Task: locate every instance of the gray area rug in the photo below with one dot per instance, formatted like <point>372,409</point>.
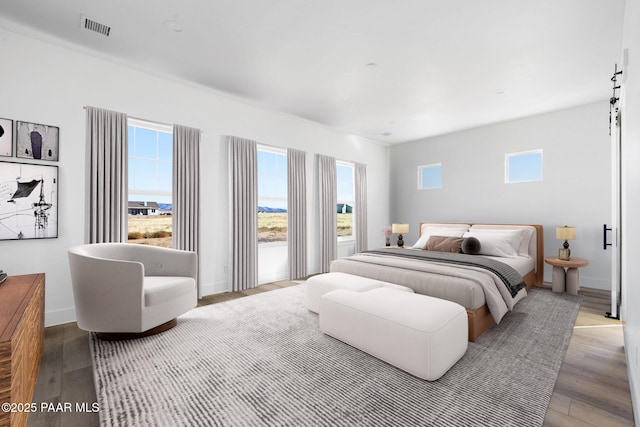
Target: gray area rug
<point>262,361</point>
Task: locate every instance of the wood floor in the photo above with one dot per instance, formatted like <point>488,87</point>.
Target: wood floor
<point>592,387</point>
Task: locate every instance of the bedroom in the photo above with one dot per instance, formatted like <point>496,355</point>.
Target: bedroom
<point>75,78</point>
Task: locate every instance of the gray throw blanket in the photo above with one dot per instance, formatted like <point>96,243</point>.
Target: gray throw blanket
<point>507,274</point>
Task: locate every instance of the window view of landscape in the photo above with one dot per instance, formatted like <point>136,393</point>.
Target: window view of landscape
<point>150,210</point>
<point>150,164</point>
<point>153,229</point>
<point>345,223</point>
<point>272,195</point>
<point>346,197</point>
<point>272,226</point>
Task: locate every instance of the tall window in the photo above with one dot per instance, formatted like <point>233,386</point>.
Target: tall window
<point>272,195</point>
<point>525,166</point>
<point>346,199</point>
<point>150,179</point>
<point>430,176</point>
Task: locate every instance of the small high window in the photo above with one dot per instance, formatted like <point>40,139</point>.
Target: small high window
<point>524,166</point>
<point>430,176</point>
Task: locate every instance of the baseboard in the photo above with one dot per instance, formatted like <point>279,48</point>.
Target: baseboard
<point>594,282</point>
<point>588,282</point>
<point>273,277</point>
<point>213,288</point>
<point>631,353</point>
<point>59,317</point>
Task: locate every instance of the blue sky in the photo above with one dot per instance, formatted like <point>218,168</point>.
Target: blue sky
<point>523,167</point>
<point>344,176</point>
<point>431,176</point>
<point>150,154</point>
<point>150,166</point>
<point>272,179</point>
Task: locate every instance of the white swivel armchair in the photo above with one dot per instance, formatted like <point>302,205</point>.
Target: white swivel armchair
<point>124,290</point>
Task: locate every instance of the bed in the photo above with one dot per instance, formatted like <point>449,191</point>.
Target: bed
<point>515,250</point>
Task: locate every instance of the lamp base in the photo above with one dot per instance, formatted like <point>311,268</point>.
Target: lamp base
<point>564,254</point>
<point>400,241</point>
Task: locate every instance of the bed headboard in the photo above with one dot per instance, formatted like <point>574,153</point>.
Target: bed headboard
<point>536,243</point>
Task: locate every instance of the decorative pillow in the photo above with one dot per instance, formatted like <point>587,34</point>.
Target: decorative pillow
<point>444,244</point>
<point>471,246</point>
<point>497,244</point>
<point>436,231</point>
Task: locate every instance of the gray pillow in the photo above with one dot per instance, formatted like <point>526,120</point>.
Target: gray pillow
<point>471,246</point>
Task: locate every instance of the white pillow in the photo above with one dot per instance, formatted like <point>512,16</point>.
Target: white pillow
<point>526,233</point>
<point>494,243</point>
<point>436,231</point>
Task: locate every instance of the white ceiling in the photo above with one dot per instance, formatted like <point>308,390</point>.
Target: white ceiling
<point>437,66</point>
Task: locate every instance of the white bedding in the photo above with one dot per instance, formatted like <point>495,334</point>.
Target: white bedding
<point>522,264</point>
<point>469,286</point>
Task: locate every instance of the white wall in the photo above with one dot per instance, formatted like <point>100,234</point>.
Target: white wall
<point>575,189</point>
<point>50,83</point>
<point>630,107</point>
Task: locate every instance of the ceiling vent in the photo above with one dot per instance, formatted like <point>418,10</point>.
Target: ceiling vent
<point>91,25</point>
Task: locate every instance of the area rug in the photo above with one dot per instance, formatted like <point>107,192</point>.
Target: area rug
<point>262,361</point>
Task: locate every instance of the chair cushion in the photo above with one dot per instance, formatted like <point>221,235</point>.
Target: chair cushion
<point>161,289</point>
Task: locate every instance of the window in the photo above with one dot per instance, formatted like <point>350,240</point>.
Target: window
<point>525,166</point>
<point>346,199</point>
<point>430,176</point>
<point>272,195</point>
<point>150,183</point>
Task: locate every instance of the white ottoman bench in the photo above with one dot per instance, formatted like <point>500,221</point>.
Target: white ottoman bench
<point>321,284</point>
<point>422,335</point>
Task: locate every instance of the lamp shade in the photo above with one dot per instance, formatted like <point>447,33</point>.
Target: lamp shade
<point>399,228</point>
<point>566,233</point>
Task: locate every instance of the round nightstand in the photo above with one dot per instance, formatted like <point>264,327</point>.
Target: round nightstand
<point>569,280</point>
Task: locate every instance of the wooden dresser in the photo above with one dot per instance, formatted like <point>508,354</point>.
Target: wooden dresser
<point>21,342</point>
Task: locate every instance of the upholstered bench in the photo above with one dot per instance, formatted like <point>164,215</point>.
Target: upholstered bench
<point>321,284</point>
<point>422,335</point>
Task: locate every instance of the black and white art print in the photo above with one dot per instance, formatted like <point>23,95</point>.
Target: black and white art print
<point>6,137</point>
<point>36,141</point>
<point>28,201</point>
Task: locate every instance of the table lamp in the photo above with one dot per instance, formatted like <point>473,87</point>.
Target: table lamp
<point>565,233</point>
<point>399,229</point>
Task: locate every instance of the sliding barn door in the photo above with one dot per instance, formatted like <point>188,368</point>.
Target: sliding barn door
<point>614,244</point>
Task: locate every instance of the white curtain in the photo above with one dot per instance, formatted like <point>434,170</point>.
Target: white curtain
<point>361,207</point>
<point>297,213</point>
<point>186,189</point>
<point>328,209</point>
<point>243,214</point>
<point>108,189</point>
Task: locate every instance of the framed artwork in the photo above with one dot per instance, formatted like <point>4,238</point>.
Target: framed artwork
<point>6,137</point>
<point>36,141</point>
<point>28,201</point>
